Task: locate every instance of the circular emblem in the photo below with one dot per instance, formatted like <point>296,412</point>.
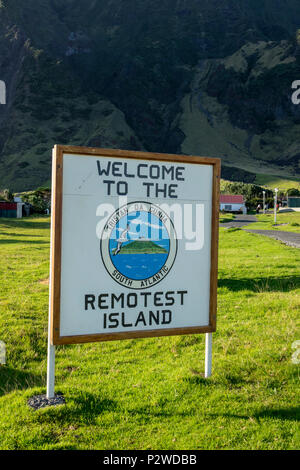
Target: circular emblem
<point>138,245</point>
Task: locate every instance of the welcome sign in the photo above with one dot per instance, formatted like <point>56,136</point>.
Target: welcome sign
<point>133,246</point>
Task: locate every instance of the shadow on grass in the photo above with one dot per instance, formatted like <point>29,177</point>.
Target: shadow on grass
<point>92,405</point>
<point>15,379</point>
<point>199,381</point>
<point>241,222</point>
<point>81,409</point>
<point>225,220</point>
<point>290,414</point>
<point>9,241</point>
<point>229,381</point>
<point>23,234</point>
<point>25,223</point>
<point>285,414</point>
<point>89,407</point>
<point>263,284</point>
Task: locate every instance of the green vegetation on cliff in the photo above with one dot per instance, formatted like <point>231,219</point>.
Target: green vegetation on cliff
<point>141,246</point>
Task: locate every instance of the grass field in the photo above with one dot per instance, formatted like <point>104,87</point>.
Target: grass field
<point>150,393</point>
<point>272,182</point>
<point>286,221</point>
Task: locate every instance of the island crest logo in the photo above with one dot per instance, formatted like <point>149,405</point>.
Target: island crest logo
<point>138,245</point>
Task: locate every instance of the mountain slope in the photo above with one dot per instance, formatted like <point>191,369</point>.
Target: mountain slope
<point>240,108</point>
<point>211,77</point>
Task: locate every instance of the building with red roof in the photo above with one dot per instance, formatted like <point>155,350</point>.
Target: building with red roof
<point>232,203</point>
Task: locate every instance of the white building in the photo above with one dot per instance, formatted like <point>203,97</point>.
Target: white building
<point>232,203</point>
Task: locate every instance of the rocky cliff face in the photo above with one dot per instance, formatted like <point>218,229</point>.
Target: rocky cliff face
<point>204,77</point>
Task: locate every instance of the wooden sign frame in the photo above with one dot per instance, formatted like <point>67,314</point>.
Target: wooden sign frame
<point>56,243</point>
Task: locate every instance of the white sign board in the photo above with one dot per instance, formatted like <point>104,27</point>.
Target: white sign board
<point>134,244</point>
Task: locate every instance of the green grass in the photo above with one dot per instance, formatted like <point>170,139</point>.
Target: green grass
<point>272,182</point>
<point>290,221</point>
<point>225,217</point>
<point>150,393</point>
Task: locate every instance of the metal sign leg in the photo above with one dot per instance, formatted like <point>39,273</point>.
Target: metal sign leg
<point>208,354</point>
<point>51,349</point>
<point>50,371</point>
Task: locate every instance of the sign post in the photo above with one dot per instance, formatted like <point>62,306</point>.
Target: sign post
<point>208,354</point>
<point>275,206</point>
<point>50,393</point>
<point>134,247</point>
<point>50,371</point>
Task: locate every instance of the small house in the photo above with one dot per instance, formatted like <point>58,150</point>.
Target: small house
<point>232,203</point>
<point>11,209</point>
